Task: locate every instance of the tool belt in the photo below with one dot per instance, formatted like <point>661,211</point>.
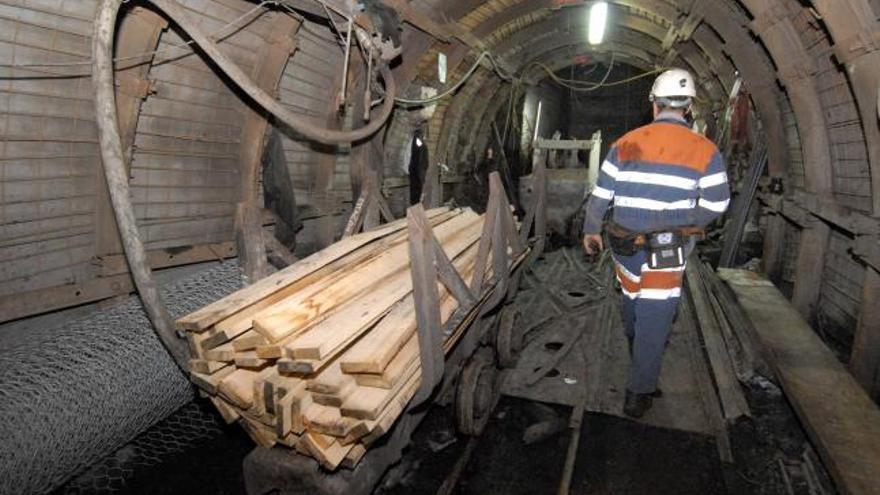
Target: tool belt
<point>665,247</point>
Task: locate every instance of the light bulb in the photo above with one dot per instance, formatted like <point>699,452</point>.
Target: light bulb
<point>598,19</point>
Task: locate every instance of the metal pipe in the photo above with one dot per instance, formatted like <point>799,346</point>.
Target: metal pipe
<point>117,181</point>
<point>268,102</point>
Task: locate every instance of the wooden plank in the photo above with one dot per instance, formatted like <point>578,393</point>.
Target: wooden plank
<point>354,456</point>
<point>211,383</point>
<point>326,450</point>
<point>393,411</point>
<point>259,386</point>
<point>230,414</point>
<point>206,367</point>
<point>248,341</point>
<point>315,281</point>
<point>212,313</point>
<point>370,402</point>
<point>375,350</point>
<point>328,420</point>
<point>732,399</point>
<point>840,418</point>
<point>116,264</point>
<point>28,303</point>
<point>395,372</point>
<point>238,388</point>
<point>338,330</point>
<point>223,352</point>
<point>259,433</point>
<point>249,359</point>
<point>296,313</point>
<point>705,388</point>
<point>331,380</point>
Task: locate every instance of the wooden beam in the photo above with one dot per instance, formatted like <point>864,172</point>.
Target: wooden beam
<point>249,242</point>
<point>138,33</point>
<point>116,264</point>
<point>841,420</point>
<point>271,61</point>
<point>865,359</point>
<point>810,267</point>
<point>23,304</point>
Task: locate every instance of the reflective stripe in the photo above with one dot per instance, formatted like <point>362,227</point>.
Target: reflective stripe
<point>713,180</point>
<point>610,169</point>
<point>631,295</point>
<point>650,204</point>
<point>659,294</point>
<point>626,273</point>
<point>716,206</point>
<point>658,180</point>
<point>602,193</point>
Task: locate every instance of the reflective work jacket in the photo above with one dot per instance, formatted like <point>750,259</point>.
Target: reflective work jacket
<point>659,176</point>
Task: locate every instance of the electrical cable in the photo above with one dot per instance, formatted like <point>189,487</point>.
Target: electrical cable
<point>284,115</point>
<point>218,34</point>
<point>451,89</point>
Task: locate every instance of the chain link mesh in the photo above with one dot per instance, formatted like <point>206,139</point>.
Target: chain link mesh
<point>187,427</point>
<point>71,394</point>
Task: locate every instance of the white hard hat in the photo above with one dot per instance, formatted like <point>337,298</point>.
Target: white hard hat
<point>676,86</point>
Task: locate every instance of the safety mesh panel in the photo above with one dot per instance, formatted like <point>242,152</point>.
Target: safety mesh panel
<point>70,395</point>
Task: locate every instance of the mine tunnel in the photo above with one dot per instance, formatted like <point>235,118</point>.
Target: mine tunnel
<point>439,247</point>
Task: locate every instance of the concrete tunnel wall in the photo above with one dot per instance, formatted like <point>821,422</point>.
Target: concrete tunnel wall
<point>812,69</point>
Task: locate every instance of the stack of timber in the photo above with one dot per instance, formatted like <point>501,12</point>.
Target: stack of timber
<point>323,356</point>
<point>729,342</point>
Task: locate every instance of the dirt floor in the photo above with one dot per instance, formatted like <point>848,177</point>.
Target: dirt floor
<point>193,453</point>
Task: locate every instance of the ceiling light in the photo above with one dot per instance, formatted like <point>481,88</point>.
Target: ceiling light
<point>598,18</point>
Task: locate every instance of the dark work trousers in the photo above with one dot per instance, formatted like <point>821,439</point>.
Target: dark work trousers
<point>648,304</point>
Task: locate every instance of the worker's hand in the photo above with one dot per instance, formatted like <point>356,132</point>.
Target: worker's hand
<point>593,244</point>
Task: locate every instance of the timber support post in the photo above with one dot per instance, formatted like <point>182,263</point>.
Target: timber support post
<point>271,61</point>
<point>865,358</point>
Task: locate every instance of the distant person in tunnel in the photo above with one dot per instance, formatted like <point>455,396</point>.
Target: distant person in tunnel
<point>663,184</point>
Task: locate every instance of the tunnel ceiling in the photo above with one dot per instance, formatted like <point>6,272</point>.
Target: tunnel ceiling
<point>646,34</point>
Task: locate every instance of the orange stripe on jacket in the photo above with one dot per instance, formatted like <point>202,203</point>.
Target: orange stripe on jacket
<point>661,280</point>
<point>627,284</point>
<point>666,144</point>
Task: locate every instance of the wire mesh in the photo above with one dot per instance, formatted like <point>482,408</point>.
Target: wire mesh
<point>70,395</point>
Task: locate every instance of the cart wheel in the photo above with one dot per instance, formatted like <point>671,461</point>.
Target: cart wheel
<point>477,392</point>
<point>508,342</point>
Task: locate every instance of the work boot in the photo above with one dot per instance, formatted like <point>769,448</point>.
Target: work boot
<point>636,405</point>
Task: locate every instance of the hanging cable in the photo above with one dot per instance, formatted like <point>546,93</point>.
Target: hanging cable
<point>451,89</point>
<point>295,121</point>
